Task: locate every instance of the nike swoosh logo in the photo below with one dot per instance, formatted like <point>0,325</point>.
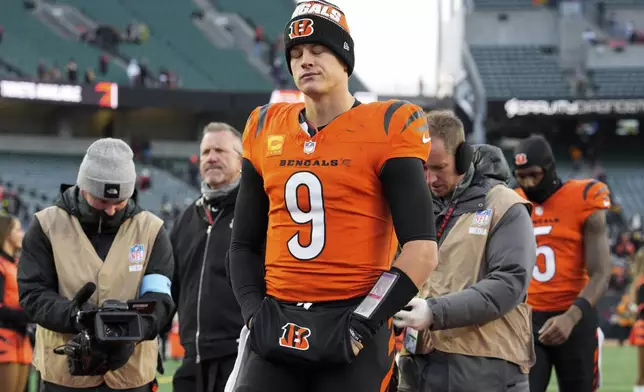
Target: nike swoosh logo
<point>426,139</point>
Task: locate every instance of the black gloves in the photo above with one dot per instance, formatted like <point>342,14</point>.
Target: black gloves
<point>150,327</point>
<point>84,317</point>
<point>118,354</point>
<point>87,357</point>
<point>84,356</point>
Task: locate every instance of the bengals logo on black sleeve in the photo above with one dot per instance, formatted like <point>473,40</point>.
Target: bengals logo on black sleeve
<point>295,337</point>
<point>301,28</point>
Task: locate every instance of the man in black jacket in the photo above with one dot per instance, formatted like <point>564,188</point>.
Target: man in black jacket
<point>209,315</point>
<point>96,233</point>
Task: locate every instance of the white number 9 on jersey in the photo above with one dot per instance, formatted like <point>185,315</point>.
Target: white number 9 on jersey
<point>548,253</point>
<point>314,216</point>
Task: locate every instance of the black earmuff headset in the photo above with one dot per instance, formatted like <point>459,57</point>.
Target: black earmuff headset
<point>463,157</point>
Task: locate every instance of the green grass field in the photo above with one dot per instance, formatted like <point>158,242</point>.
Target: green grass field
<point>618,371</point>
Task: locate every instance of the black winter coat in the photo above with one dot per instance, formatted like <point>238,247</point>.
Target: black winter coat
<point>209,316</point>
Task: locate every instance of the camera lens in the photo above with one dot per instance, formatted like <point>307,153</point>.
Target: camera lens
<point>114,330</point>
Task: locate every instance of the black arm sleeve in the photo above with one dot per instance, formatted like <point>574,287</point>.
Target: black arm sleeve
<point>404,186</point>
<point>246,252</point>
<point>161,263</point>
<point>38,283</point>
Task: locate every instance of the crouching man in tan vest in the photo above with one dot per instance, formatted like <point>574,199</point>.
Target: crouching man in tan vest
<point>470,330</point>
<point>96,233</point>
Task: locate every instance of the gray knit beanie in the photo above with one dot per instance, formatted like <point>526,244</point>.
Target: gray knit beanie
<point>107,171</point>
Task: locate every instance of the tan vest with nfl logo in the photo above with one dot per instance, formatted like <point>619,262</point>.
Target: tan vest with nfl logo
<point>460,258</point>
<point>118,277</point>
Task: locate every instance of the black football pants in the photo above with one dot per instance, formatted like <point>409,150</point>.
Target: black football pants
<point>370,371</point>
<point>576,361</point>
<point>207,376</point>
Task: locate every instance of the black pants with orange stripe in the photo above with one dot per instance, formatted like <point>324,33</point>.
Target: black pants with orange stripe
<point>575,361</point>
<point>370,371</point>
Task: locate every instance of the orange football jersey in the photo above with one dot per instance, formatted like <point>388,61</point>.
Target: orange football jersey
<point>330,232</point>
<point>560,273</point>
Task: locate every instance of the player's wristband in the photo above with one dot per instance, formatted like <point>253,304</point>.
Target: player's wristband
<point>583,305</point>
<point>393,290</point>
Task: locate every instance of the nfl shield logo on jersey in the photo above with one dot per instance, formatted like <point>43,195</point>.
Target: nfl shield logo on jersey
<point>309,147</point>
<point>137,256</point>
<point>482,218</point>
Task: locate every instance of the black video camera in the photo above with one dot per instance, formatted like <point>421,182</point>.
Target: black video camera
<point>114,324</point>
<point>119,322</point>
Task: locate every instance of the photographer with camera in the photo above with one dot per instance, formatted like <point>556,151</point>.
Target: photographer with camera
<point>89,264</point>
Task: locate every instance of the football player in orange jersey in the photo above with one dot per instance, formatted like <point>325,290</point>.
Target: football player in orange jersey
<point>572,270</point>
<point>329,188</point>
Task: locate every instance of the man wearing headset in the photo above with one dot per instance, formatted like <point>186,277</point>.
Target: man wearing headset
<point>471,321</point>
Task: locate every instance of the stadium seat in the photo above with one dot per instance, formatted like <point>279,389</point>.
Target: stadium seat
<point>520,71</point>
<point>45,173</point>
<point>623,4</point>
<point>154,50</point>
<point>270,15</point>
<point>626,180</point>
<point>515,5</point>
<point>27,40</point>
<point>503,5</point>
<point>619,82</point>
<point>169,20</point>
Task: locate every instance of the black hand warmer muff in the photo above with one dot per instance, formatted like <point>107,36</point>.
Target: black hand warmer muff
<point>289,333</point>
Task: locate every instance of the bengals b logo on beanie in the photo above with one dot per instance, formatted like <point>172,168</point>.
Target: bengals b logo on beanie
<point>320,22</point>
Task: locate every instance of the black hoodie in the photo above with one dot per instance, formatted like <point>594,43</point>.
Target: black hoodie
<point>209,316</point>
<point>38,279</point>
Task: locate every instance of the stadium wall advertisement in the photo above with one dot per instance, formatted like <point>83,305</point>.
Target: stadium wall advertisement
<point>108,109</point>
<point>103,94</point>
<point>612,124</point>
<point>516,108</point>
<point>113,96</point>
